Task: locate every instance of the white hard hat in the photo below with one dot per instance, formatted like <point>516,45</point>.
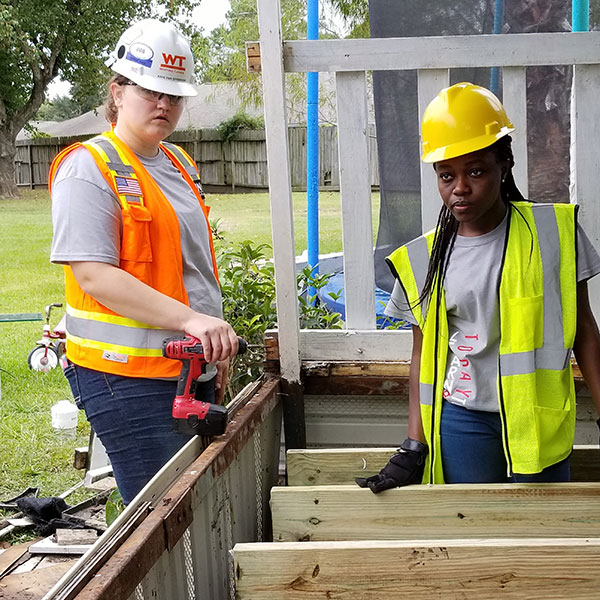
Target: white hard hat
<point>156,56</point>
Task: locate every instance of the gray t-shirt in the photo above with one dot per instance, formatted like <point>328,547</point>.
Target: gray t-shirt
<point>473,314</point>
<point>87,221</point>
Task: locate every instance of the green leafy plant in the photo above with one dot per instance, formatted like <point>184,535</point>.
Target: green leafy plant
<point>229,128</point>
<point>390,322</point>
<point>114,506</point>
<point>314,314</point>
<point>248,287</point>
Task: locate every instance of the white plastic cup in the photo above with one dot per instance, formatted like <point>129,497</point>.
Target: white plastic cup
<point>64,417</point>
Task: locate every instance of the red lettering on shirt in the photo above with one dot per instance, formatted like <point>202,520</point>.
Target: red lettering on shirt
<point>465,348</point>
<point>465,393</point>
<point>472,337</point>
<point>464,362</point>
<point>465,376</point>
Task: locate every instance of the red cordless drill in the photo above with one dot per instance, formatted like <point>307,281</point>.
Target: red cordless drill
<point>194,416</point>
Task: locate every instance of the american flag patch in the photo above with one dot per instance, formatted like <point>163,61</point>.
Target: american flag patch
<point>128,185</point>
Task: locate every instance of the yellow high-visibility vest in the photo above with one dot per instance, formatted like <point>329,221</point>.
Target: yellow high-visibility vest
<point>97,337</point>
<point>538,318</point>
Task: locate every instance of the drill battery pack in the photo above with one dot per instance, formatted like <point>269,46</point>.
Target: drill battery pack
<point>214,422</point>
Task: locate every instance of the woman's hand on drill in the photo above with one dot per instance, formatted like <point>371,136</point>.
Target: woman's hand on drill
<point>217,337</point>
<point>122,292</point>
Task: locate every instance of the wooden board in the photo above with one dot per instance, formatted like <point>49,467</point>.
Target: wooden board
<point>355,188</point>
<point>340,466</point>
<point>352,345</point>
<point>12,555</point>
<point>331,513</point>
<point>514,98</point>
<point>443,52</point>
<point>430,82</point>
<point>532,569</point>
<point>33,585</point>
<point>253,64</point>
<point>280,190</point>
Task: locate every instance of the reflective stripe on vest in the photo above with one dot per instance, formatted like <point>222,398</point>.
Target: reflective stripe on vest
<point>100,330</point>
<point>187,163</point>
<point>180,157</point>
<point>120,169</point>
<point>537,298</point>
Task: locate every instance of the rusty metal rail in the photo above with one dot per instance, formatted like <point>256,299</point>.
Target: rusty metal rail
<point>177,544</point>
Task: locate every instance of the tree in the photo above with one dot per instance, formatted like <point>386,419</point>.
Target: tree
<point>222,55</point>
<point>356,15</point>
<point>40,40</point>
<point>67,107</point>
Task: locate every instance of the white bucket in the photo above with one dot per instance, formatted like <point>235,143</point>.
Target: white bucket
<point>64,415</point>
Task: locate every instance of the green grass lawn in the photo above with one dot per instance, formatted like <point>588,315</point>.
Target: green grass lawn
<point>247,216</point>
<point>31,453</point>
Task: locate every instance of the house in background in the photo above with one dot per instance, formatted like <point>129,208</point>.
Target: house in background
<point>215,103</point>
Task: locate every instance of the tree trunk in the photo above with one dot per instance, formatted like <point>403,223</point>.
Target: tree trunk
<point>8,186</point>
<point>548,102</point>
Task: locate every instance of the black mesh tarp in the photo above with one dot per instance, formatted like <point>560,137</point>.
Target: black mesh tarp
<point>396,114</point>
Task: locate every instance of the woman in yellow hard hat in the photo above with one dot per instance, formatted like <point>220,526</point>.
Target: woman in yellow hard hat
<point>131,228</point>
<point>498,299</point>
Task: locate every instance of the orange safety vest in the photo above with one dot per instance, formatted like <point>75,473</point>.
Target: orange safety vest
<point>97,337</point>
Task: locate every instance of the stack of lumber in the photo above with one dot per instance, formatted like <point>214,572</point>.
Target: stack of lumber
<point>333,539</point>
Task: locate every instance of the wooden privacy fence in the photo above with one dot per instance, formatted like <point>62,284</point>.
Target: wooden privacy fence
<point>240,164</point>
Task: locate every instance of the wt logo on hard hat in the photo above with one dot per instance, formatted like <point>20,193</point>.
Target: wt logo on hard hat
<point>173,61</point>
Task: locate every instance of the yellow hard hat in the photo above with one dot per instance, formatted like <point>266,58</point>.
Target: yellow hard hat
<point>461,119</point>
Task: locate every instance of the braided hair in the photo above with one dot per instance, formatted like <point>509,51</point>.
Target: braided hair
<point>447,225</point>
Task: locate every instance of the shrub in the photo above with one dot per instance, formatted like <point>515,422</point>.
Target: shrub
<point>241,120</point>
<point>248,287</point>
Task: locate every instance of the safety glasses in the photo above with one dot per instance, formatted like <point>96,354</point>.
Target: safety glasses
<point>153,96</point>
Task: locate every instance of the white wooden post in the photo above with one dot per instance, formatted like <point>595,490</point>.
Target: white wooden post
<point>357,227</point>
<point>430,82</point>
<point>515,103</point>
<point>280,190</point>
<point>586,157</point>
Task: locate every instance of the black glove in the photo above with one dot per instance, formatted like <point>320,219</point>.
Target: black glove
<point>403,468</point>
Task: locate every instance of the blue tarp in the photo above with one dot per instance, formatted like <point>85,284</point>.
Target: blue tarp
<point>335,286</point>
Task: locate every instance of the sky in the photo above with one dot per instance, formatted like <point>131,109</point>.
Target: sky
<point>210,14</point>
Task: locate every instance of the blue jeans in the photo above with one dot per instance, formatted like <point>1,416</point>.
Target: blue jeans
<point>472,450</point>
<point>133,419</point>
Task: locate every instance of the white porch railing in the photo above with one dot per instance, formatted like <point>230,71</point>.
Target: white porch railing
<point>432,57</point>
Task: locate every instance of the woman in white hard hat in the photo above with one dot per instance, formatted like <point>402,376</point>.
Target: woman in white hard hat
<point>497,296</point>
<point>131,228</point>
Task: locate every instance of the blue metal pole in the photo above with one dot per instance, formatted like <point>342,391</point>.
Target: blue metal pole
<point>498,26</point>
<point>312,148</point>
<point>581,15</point>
